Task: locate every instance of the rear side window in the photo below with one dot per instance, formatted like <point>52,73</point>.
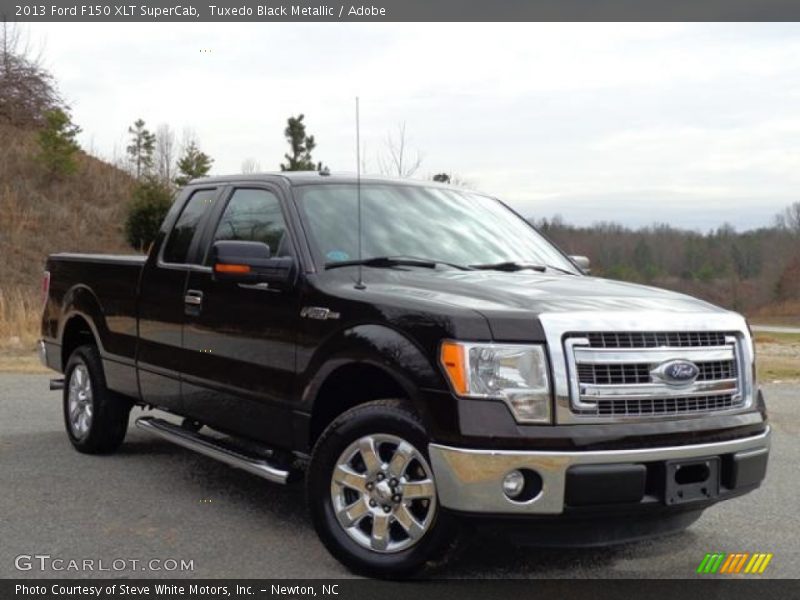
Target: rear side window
<point>255,216</point>
<point>177,248</point>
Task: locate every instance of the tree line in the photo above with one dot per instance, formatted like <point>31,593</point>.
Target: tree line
<point>743,270</point>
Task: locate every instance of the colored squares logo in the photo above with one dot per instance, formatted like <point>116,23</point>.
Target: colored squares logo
<point>733,563</point>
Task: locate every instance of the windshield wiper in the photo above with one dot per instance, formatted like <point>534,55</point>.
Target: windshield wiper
<point>387,262</point>
<point>513,266</point>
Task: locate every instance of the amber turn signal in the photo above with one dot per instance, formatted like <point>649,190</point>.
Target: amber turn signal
<point>222,268</point>
<point>452,358</point>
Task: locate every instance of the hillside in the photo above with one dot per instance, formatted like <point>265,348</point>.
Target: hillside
<point>83,212</point>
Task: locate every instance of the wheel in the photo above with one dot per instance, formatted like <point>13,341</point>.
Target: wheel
<point>372,492</point>
<point>96,419</point>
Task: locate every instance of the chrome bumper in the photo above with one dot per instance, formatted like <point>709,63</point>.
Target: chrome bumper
<point>471,480</point>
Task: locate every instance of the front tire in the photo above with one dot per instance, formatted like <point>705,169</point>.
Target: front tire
<point>96,419</point>
<point>372,492</point>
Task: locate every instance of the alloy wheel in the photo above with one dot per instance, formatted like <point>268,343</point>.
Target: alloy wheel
<point>383,493</point>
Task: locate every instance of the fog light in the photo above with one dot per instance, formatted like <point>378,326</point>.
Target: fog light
<point>513,484</point>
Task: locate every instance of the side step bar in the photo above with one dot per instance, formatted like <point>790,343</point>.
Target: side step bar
<point>212,448</point>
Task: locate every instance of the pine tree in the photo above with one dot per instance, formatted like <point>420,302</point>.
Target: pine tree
<point>141,149</point>
<point>301,147</point>
<point>151,201</point>
<point>57,145</point>
<point>193,164</point>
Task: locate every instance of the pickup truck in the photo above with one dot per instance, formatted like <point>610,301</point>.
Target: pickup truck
<point>422,354</point>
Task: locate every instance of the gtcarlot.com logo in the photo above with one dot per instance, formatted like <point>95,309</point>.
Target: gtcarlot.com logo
<point>733,563</point>
<point>46,562</point>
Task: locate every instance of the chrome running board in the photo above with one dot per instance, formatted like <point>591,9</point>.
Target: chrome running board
<point>212,448</point>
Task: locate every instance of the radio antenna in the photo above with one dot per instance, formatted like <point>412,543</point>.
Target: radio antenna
<point>360,282</point>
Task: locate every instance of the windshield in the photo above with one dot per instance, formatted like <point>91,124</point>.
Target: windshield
<point>438,224</point>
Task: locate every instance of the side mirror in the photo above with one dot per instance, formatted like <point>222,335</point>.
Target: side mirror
<point>250,263</point>
<point>583,263</point>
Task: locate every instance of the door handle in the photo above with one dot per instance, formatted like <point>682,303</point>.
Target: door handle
<point>193,297</point>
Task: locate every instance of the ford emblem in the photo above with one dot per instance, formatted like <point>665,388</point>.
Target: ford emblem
<point>676,372</point>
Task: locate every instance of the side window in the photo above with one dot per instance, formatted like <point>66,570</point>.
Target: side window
<point>255,216</point>
<point>185,228</point>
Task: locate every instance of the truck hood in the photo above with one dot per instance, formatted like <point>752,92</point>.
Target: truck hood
<point>537,293</point>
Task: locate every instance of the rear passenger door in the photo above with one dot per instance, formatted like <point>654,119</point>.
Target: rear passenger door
<point>239,342</point>
<point>160,355</point>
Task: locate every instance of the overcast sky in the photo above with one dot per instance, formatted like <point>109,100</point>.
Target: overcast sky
<point>693,125</point>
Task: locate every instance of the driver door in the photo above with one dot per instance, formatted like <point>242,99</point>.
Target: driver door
<point>240,339</point>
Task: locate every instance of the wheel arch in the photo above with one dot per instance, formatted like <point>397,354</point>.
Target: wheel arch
<point>82,322</point>
<point>371,362</point>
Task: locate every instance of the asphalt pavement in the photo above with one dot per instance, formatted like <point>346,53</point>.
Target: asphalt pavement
<point>153,500</point>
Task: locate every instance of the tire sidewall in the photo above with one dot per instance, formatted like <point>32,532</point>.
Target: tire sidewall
<point>95,440</point>
<point>354,424</point>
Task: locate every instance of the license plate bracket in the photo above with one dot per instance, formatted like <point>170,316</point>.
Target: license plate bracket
<point>691,480</point>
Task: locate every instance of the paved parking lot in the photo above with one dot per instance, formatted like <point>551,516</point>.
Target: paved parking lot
<point>153,500</point>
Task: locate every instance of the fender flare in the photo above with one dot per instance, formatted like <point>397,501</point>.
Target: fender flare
<point>378,346</point>
<point>80,301</point>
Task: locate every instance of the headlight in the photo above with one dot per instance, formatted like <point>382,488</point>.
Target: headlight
<point>514,373</point>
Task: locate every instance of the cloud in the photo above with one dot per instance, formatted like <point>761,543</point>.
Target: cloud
<point>690,123</point>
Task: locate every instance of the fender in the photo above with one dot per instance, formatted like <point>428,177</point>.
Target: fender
<point>378,346</point>
<point>81,301</point>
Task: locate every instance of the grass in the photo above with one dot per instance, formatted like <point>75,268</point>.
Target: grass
<point>21,363</point>
<point>20,314</point>
<point>786,314</point>
<point>777,337</point>
<point>786,321</point>
<point>774,369</point>
<point>778,356</point>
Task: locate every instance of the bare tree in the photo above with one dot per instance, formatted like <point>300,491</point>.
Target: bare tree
<point>165,153</point>
<point>188,138</point>
<point>398,159</point>
<point>250,165</point>
<point>789,218</point>
<point>27,90</point>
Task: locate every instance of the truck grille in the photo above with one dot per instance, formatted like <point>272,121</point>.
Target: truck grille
<point>620,374</point>
<point>664,406</point>
<point>640,372</point>
<point>654,339</point>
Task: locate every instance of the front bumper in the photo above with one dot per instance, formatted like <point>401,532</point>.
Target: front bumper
<point>471,481</point>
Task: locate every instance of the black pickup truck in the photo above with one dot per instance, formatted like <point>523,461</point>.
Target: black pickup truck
<point>440,366</point>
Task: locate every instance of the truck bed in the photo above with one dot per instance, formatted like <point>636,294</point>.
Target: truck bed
<point>103,288</point>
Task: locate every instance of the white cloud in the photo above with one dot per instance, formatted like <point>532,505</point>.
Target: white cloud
<point>691,123</point>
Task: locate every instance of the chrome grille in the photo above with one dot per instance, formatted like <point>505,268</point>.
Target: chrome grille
<point>654,339</point>
<point>665,406</point>
<point>616,374</point>
<point>640,372</point>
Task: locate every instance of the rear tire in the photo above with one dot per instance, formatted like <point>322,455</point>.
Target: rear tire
<point>372,493</point>
<point>96,419</point>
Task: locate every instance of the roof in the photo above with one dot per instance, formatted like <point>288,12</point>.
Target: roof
<point>315,177</point>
